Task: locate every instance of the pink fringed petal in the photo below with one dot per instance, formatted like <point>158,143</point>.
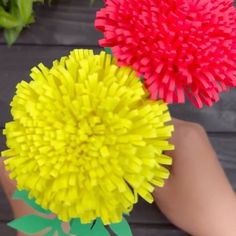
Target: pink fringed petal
<point>179,47</point>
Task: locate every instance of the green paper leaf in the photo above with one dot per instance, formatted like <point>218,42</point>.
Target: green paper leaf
<point>30,224</point>
<point>50,233</point>
<point>99,229</point>
<point>7,20</point>
<point>60,233</point>
<point>122,228</point>
<point>23,195</point>
<point>77,228</point>
<point>53,233</point>
<point>25,9</point>
<point>108,51</point>
<point>56,227</point>
<point>96,228</point>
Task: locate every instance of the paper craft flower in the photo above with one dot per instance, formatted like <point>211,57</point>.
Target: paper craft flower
<point>85,140</point>
<point>179,47</point>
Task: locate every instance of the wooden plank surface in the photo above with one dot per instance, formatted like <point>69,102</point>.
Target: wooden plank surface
<point>18,60</point>
<point>15,66</point>
<point>221,117</point>
<point>5,210</point>
<point>156,230</point>
<point>66,22</point>
<point>66,25</point>
<point>5,230</point>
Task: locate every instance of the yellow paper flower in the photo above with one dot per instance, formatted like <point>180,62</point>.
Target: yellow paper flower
<point>85,140</point>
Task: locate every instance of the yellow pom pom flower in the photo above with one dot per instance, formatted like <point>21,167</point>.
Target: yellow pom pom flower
<point>85,140</point>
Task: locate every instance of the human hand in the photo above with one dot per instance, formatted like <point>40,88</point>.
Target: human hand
<point>197,197</point>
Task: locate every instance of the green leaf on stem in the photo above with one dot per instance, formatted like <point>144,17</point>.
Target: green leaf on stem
<point>23,195</point>
<point>7,20</point>
<point>122,228</point>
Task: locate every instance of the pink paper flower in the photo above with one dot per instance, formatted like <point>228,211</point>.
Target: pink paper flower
<point>179,46</point>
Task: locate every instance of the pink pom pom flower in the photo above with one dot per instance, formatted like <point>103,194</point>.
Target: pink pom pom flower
<point>179,46</point>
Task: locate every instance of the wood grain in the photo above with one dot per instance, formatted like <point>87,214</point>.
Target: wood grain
<point>66,25</point>
<point>18,60</point>
<point>15,66</point>
<point>66,22</point>
<point>221,117</point>
<point>5,210</point>
<point>156,230</point>
<point>5,230</point>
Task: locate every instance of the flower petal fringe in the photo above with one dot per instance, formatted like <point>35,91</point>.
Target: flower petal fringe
<point>180,47</point>
<point>85,140</point>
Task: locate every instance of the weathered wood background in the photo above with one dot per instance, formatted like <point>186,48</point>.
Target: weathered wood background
<point>66,25</point>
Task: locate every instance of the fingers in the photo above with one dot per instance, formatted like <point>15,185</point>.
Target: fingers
<point>197,190</point>
<point>8,185</point>
<point>19,207</point>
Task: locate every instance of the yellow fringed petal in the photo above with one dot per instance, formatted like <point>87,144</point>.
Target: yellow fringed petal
<point>85,139</point>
